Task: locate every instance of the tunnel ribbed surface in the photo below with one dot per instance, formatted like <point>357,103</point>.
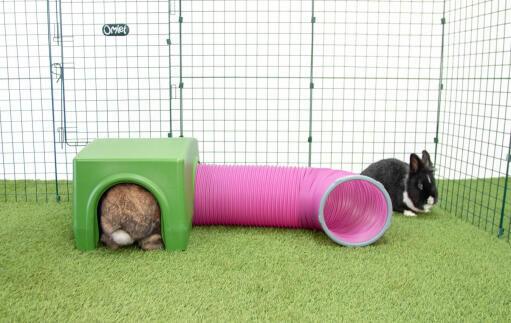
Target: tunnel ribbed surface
<point>350,209</point>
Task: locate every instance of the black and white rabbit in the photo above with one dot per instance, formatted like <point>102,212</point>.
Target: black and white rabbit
<point>411,187</point>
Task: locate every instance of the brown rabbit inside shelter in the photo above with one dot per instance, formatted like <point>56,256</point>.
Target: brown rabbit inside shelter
<point>129,213</point>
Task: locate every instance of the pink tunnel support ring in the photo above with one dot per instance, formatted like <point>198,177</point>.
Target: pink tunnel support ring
<point>353,210</point>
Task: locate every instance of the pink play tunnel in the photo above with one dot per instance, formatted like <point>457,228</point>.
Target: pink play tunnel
<point>353,210</point>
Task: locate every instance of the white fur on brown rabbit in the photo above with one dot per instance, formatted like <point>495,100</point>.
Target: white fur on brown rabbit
<point>129,213</point>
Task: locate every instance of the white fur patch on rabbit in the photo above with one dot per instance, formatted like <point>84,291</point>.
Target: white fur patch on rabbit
<point>409,213</point>
<point>409,203</point>
<point>122,238</point>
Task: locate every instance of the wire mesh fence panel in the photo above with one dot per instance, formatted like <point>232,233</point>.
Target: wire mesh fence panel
<point>115,69</point>
<point>26,135</point>
<point>356,79</point>
<point>475,121</point>
<point>114,76</point>
<point>375,80</point>
<point>311,83</point>
<point>246,68</point>
<point>70,76</point>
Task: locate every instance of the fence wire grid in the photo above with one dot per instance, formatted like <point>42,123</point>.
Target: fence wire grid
<point>336,84</point>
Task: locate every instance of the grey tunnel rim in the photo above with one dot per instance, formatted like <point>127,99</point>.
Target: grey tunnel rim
<point>340,181</point>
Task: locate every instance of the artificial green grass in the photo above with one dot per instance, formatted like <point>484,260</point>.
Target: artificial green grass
<point>479,202</point>
<point>429,268</point>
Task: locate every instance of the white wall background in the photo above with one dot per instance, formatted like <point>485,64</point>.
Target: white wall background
<point>246,75</point>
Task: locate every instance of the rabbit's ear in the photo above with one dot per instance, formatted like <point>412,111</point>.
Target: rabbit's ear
<point>415,163</point>
<point>426,159</point>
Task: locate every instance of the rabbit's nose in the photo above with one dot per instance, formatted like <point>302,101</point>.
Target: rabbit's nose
<point>431,200</point>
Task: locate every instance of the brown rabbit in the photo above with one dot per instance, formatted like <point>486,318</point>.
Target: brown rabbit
<point>129,213</point>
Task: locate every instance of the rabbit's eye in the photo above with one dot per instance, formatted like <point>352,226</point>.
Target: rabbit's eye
<point>420,186</point>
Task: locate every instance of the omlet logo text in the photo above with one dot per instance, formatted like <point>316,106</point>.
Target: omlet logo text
<point>115,30</point>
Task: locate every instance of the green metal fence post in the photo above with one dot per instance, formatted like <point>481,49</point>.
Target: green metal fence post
<point>169,42</point>
<point>180,73</point>
<point>501,222</point>
<point>440,85</point>
<point>52,103</point>
<point>311,85</point>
